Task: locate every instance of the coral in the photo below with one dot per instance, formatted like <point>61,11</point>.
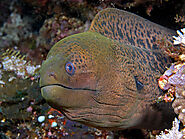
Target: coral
<point>173,79</point>
<point>174,76</point>
<point>58,27</point>
<point>173,133</point>
<point>14,30</point>
<point>180,19</point>
<point>180,16</point>
<point>181,38</point>
<point>176,50</point>
<point>13,61</point>
<point>17,95</point>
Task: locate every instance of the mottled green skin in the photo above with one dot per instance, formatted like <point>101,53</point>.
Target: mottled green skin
<point>115,83</point>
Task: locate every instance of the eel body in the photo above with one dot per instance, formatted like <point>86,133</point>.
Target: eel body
<point>107,77</point>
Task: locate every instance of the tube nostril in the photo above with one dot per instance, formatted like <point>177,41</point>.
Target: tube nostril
<point>52,74</point>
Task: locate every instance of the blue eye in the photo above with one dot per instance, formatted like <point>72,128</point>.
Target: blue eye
<point>70,69</point>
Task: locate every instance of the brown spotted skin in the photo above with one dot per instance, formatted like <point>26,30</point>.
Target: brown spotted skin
<point>114,85</point>
<point>129,28</point>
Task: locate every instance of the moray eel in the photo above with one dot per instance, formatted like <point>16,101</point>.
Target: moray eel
<point>107,77</point>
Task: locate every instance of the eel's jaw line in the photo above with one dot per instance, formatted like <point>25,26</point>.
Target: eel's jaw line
<point>66,87</point>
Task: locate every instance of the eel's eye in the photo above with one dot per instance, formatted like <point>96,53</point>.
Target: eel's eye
<point>70,69</point>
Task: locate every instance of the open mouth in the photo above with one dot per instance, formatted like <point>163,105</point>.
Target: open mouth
<point>66,87</point>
